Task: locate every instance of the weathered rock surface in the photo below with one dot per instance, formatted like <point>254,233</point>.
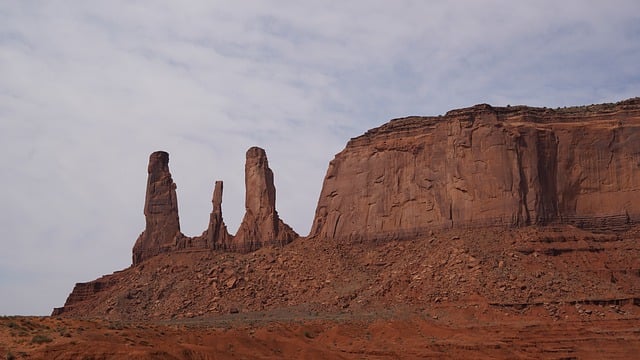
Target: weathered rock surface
<point>216,235</point>
<point>486,166</point>
<point>435,182</point>
<point>542,269</point>
<point>261,223</point>
<point>160,210</point>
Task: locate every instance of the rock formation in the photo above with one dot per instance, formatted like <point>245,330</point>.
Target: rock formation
<point>216,235</point>
<point>428,179</point>
<point>261,223</point>
<point>160,210</point>
<point>485,166</point>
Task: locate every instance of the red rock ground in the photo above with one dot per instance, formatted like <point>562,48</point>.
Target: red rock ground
<point>445,333</point>
<point>527,293</point>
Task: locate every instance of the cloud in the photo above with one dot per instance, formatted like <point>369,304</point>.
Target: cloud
<point>88,90</point>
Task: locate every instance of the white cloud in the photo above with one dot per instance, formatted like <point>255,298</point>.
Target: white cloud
<point>89,89</point>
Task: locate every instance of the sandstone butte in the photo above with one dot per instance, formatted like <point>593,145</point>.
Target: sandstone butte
<point>498,203</point>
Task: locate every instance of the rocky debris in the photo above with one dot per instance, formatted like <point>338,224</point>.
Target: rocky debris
<point>455,267</point>
<point>162,229</point>
<point>85,291</point>
<point>424,202</point>
<point>261,224</point>
<point>484,166</point>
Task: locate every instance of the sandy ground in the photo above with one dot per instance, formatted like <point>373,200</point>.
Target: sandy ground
<point>452,331</point>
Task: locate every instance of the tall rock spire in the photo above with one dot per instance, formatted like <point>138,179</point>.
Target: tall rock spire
<point>160,211</point>
<point>261,223</point>
<point>216,235</point>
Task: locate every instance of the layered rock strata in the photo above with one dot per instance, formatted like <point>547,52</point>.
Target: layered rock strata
<point>409,179</point>
<point>261,223</point>
<point>486,166</point>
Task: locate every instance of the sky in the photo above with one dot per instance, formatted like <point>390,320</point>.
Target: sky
<point>88,89</point>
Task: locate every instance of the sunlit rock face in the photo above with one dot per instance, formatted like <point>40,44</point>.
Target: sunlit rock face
<point>486,165</point>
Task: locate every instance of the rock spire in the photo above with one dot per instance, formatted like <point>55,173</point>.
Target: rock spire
<point>261,223</point>
<point>216,236</point>
<point>160,210</point>
<point>260,226</point>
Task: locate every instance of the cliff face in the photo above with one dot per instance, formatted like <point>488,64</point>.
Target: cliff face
<point>428,179</point>
<point>485,166</point>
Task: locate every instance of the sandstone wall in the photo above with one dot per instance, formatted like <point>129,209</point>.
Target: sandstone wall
<point>485,166</point>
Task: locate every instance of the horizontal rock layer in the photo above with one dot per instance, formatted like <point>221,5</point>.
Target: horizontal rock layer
<point>486,166</point>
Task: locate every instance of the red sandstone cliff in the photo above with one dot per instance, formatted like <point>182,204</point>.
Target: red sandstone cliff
<point>485,166</point>
<point>469,168</point>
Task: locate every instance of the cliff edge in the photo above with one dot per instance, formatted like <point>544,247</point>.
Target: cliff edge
<point>484,165</point>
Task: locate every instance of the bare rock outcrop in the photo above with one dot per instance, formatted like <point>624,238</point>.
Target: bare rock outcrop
<point>261,223</point>
<point>439,181</point>
<point>162,229</point>
<point>216,236</point>
<point>486,166</point>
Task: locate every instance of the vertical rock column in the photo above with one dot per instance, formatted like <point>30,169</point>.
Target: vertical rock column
<point>216,235</point>
<point>261,224</point>
<point>160,211</point>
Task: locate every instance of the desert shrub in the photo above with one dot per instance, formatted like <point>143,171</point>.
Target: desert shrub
<point>10,356</point>
<point>41,339</point>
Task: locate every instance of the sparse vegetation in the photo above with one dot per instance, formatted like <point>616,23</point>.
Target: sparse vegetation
<point>10,356</point>
<point>115,326</point>
<point>64,332</point>
<point>41,339</point>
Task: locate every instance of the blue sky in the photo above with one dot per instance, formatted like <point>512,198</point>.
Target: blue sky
<point>89,89</point>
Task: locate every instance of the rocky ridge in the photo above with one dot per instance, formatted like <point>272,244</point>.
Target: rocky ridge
<point>418,212</point>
